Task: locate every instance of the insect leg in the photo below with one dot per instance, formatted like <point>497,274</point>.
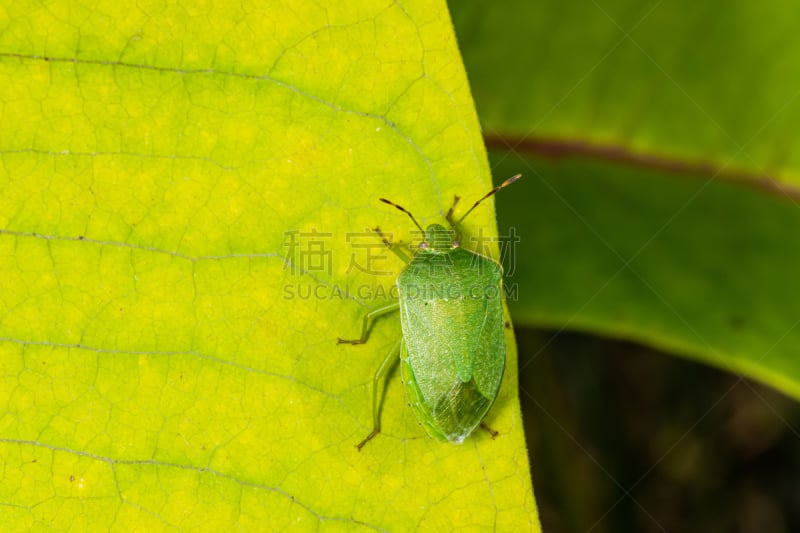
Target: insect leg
<point>368,318</point>
<point>449,215</point>
<point>395,247</point>
<point>387,363</point>
<point>489,430</point>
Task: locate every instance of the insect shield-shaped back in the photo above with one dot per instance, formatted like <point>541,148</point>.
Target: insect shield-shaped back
<point>452,319</point>
<point>453,349</point>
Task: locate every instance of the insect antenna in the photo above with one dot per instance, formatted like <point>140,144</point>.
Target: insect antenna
<point>404,210</point>
<point>506,183</point>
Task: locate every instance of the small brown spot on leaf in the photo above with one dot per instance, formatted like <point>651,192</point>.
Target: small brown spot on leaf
<point>736,321</point>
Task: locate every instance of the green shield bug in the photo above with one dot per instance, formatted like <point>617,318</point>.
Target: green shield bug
<point>452,351</point>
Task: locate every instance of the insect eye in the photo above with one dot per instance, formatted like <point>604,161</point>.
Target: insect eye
<point>456,244</point>
<point>423,245</point>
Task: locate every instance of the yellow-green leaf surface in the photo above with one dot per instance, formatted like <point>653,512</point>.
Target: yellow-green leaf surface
<point>175,179</point>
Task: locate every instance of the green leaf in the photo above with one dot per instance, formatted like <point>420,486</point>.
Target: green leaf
<point>164,365</point>
<point>658,142</point>
<point>680,80</point>
<point>694,267</point>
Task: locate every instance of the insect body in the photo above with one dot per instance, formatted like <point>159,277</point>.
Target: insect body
<point>452,352</point>
<point>451,313</point>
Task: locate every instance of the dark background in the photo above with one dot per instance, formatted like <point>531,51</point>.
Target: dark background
<point>624,438</point>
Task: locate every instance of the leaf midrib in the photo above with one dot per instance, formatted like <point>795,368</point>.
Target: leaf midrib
<point>563,148</point>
